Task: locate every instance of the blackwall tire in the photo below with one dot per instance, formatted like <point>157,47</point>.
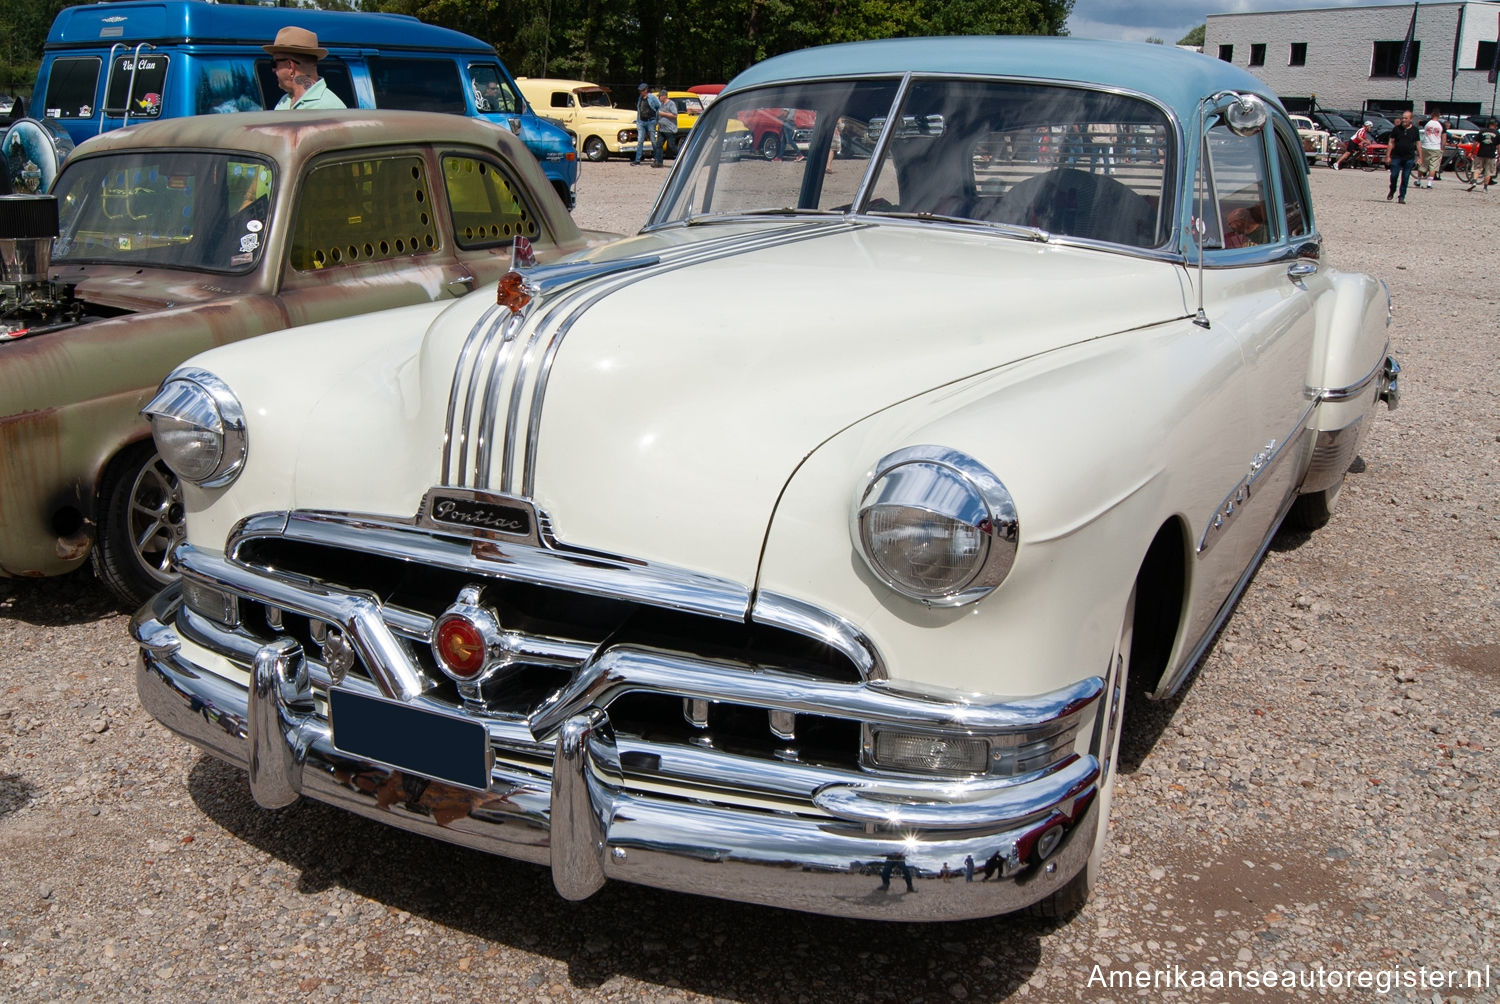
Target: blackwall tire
<point>140,520</point>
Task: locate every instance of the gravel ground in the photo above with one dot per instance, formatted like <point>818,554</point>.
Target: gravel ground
<point>1320,798</point>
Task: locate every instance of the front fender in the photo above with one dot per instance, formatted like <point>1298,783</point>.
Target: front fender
<point>1100,444</point>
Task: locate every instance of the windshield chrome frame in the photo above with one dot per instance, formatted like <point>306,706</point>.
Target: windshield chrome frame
<point>1171,249</point>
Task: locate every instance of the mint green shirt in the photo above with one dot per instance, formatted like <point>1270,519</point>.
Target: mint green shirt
<point>316,96</point>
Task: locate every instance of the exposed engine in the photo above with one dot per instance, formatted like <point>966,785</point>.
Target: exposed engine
<point>30,303</point>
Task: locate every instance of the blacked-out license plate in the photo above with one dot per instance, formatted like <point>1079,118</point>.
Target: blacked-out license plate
<point>415,740</point>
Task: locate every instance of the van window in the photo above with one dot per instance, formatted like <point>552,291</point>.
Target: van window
<point>422,85</point>
<point>145,76</point>
<point>562,99</point>
<point>492,93</point>
<point>225,85</point>
<point>70,88</point>
<point>333,72</point>
<point>363,210</point>
<point>487,209</point>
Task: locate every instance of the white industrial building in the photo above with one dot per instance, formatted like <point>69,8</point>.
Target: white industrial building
<point>1348,57</point>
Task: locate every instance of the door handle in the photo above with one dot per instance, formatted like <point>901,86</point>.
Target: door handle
<point>1298,271</point>
<point>461,286</point>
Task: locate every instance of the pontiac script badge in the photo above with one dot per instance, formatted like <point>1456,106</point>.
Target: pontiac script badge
<point>478,514</point>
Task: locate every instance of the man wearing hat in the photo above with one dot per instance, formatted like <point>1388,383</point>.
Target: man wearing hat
<point>295,55</point>
<point>646,107</point>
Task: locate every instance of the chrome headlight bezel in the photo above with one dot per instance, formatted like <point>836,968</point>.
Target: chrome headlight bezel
<point>194,406</point>
<point>938,491</point>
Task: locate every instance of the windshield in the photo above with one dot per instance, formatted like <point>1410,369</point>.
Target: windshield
<point>593,97</point>
<point>1063,160</point>
<point>179,209</point>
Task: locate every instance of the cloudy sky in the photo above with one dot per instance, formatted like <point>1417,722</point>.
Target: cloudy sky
<point>1138,20</point>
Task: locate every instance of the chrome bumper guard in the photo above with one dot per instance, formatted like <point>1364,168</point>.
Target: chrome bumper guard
<point>830,845</point>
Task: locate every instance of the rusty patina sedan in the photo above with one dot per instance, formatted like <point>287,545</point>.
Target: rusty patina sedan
<point>189,233</point>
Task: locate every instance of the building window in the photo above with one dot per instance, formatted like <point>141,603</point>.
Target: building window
<point>1258,54</point>
<point>1299,54</point>
<point>1485,57</point>
<point>1387,59</point>
<point>1226,53</point>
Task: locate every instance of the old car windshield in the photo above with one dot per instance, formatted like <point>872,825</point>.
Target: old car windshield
<point>1061,160</point>
<point>179,209</point>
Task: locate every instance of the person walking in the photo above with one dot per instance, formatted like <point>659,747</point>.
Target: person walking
<point>666,128</point>
<point>294,55</point>
<point>1401,155</point>
<point>645,121</point>
<point>1432,142</point>
<point>1484,156</point>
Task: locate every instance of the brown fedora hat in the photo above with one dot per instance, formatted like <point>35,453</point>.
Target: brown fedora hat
<point>292,41</point>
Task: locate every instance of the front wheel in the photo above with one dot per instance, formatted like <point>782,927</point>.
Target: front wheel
<point>1071,897</point>
<point>770,146</point>
<point>595,149</point>
<point>140,520</point>
<point>1464,168</point>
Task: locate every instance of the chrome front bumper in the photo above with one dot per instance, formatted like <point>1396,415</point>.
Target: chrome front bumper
<point>589,817</point>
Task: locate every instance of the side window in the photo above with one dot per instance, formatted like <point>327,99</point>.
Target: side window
<point>1293,190</point>
<point>490,91</point>
<point>419,85</point>
<point>487,207</point>
<point>70,88</point>
<point>226,85</point>
<point>363,210</point>
<point>333,72</point>
<point>1241,189</point>
<point>562,99</point>
<point>144,76</point>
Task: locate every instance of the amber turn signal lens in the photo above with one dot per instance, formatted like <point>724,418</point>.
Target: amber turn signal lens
<point>513,293</point>
<point>460,646</point>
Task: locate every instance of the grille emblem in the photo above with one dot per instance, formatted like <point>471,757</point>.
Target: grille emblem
<point>471,511</point>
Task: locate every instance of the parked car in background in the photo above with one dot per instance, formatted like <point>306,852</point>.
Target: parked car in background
<point>1380,126</point>
<point>587,112</point>
<point>779,612</point>
<point>1317,142</point>
<point>707,92</point>
<point>106,65</point>
<point>771,129</point>
<point>1334,123</point>
<point>178,235</point>
<point>689,107</point>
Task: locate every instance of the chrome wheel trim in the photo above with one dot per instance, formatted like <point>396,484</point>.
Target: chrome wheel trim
<point>156,521</point>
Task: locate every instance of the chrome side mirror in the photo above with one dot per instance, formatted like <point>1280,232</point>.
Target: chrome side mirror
<point>1246,115</point>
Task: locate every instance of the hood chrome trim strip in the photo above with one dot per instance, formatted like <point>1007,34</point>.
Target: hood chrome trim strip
<point>738,245</point>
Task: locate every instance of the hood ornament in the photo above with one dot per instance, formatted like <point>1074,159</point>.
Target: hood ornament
<point>515,290</point>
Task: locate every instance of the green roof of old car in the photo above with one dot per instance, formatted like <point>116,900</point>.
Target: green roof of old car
<point>1175,77</point>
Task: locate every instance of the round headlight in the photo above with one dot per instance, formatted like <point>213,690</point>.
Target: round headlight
<point>199,428</point>
<point>936,526</point>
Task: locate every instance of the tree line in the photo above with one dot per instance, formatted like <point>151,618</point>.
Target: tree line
<point>676,42</point>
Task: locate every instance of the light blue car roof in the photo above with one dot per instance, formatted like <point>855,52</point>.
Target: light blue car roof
<point>1175,77</point>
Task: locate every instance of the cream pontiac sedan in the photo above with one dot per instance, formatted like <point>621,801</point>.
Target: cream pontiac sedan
<point>835,595</point>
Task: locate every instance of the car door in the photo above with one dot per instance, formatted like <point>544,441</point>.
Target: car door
<point>1263,285</point>
<point>365,233</point>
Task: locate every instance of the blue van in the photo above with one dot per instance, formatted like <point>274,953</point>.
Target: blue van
<point>108,64</point>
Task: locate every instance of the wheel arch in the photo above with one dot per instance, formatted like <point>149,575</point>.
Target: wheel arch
<point>1160,606</point>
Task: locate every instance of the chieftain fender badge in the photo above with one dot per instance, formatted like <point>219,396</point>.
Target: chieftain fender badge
<point>478,511</point>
